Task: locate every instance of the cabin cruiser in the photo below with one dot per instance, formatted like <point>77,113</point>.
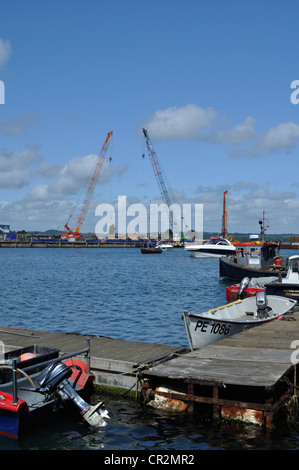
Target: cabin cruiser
<point>215,247</point>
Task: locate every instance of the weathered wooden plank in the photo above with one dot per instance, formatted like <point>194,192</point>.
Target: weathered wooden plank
<point>223,370</point>
<point>132,352</point>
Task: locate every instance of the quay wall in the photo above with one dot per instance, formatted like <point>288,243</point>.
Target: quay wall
<point>77,244</point>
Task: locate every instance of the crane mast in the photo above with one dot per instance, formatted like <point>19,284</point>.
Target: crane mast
<point>224,217</point>
<point>90,191</point>
<point>159,175</point>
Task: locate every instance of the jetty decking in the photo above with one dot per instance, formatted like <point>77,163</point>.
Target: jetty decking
<point>250,376</point>
<point>115,363</point>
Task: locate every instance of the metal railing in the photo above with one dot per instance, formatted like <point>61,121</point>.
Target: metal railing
<point>15,370</point>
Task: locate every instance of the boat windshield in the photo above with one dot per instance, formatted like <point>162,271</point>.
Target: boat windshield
<point>294,264</point>
<point>218,241</point>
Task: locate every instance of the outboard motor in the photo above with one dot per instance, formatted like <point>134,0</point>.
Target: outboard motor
<point>243,285</point>
<point>262,305</point>
<point>54,379</point>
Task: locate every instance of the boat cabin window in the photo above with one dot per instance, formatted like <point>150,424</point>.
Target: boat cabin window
<point>294,265</point>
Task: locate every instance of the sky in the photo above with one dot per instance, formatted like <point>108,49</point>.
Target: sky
<point>211,82</point>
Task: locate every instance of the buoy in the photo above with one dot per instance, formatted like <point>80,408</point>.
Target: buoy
<point>26,356</point>
<point>76,364</point>
<point>277,261</point>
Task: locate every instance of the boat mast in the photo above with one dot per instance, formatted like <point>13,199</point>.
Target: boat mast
<point>224,218</point>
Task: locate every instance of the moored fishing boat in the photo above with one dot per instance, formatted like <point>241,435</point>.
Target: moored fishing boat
<point>253,259</point>
<point>151,249</point>
<point>230,319</point>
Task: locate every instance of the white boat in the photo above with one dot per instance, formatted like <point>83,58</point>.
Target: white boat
<point>287,286</point>
<point>164,245</point>
<point>230,319</point>
<point>215,247</point>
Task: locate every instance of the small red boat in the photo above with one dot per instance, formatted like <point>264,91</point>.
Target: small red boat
<point>241,291</point>
<point>232,292</point>
<point>46,383</point>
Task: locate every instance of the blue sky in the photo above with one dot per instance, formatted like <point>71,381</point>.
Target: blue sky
<point>210,81</point>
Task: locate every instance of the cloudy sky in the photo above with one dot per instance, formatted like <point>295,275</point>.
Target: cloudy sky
<point>214,84</point>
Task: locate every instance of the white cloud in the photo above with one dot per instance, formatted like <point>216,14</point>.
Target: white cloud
<point>17,169</point>
<point>281,137</point>
<point>72,178</point>
<point>5,52</point>
<point>245,204</point>
<point>196,123</point>
<point>243,132</point>
<point>186,122</point>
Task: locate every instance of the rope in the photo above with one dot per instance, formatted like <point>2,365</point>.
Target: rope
<point>21,371</point>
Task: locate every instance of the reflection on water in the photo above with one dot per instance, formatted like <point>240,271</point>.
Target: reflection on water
<point>133,428</point>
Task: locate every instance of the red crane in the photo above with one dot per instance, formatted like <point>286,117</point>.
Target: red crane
<point>89,194</point>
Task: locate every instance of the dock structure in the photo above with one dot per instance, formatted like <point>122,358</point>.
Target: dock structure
<point>71,244</point>
<point>115,363</point>
<point>250,377</point>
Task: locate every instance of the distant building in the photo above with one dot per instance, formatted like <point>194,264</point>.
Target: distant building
<point>4,229</point>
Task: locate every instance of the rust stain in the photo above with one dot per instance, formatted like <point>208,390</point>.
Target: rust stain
<point>243,414</point>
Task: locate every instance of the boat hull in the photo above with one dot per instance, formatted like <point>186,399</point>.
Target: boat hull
<point>288,290</point>
<point>151,250</point>
<point>215,247</point>
<point>215,325</point>
<point>230,269</point>
<point>202,331</point>
<point>209,252</point>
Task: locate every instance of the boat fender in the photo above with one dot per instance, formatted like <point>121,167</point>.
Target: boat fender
<point>277,261</point>
<point>76,364</point>
<point>26,356</point>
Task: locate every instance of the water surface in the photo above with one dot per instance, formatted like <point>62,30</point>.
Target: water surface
<point>121,293</point>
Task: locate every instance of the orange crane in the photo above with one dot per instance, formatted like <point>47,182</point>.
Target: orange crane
<point>89,194</point>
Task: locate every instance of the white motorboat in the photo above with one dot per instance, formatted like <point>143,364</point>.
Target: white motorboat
<point>164,245</point>
<point>287,286</point>
<point>215,247</point>
<point>230,319</point>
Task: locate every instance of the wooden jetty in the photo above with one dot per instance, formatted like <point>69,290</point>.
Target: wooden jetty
<point>249,377</point>
<point>115,363</point>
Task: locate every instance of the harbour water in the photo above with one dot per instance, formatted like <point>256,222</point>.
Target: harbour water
<point>120,293</point>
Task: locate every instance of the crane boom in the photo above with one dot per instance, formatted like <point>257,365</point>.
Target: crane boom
<point>90,191</point>
<point>158,174</point>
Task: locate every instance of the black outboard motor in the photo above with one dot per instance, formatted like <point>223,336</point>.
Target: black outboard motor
<point>262,305</point>
<point>54,380</point>
<point>243,285</point>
